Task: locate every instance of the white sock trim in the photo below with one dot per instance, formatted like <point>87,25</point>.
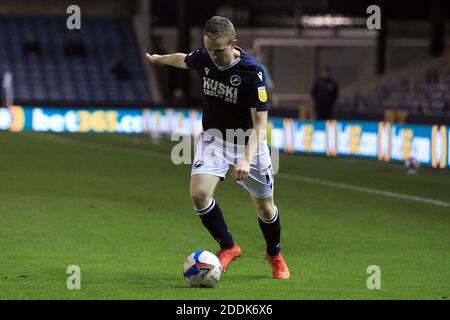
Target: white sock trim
<point>274,218</point>
<point>206,209</point>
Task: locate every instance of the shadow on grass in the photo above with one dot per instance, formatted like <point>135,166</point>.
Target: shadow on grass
<point>148,281</point>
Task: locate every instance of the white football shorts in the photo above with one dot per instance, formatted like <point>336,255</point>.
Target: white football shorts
<point>214,157</point>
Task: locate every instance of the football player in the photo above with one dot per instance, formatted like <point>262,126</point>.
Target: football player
<point>234,134</point>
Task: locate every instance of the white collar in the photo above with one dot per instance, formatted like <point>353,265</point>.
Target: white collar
<point>236,61</point>
<point>230,65</point>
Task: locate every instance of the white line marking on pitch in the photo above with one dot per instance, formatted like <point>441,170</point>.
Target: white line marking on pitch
<point>328,183</point>
<point>363,189</point>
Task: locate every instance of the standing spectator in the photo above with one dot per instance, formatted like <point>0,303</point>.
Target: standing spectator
<point>324,93</point>
<point>119,70</point>
<point>179,99</point>
<point>31,46</point>
<point>74,47</point>
<point>2,99</point>
<point>6,90</point>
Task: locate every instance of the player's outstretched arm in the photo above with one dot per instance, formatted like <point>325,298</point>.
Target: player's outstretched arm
<point>174,60</point>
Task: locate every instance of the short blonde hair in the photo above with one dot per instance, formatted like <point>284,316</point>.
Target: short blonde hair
<point>218,27</point>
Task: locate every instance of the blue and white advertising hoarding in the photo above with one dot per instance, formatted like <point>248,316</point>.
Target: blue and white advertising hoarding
<point>430,145</point>
<point>75,120</point>
<point>357,139</point>
<point>166,121</point>
<point>298,136</point>
<point>310,136</point>
<point>439,147</point>
<point>410,141</point>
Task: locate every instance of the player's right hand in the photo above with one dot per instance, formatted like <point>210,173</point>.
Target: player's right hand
<point>153,58</point>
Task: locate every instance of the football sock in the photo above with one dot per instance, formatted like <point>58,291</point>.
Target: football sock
<point>212,219</point>
<point>271,230</point>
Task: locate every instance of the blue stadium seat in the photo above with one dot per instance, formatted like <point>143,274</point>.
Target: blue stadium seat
<point>55,77</point>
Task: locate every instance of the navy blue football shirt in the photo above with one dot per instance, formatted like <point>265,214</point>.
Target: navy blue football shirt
<point>231,92</point>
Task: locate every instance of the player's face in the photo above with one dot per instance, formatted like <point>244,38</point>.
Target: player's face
<point>220,50</point>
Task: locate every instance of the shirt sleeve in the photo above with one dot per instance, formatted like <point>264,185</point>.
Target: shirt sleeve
<point>258,93</point>
<point>193,59</point>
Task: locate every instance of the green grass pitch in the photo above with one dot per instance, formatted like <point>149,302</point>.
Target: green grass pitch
<point>117,207</point>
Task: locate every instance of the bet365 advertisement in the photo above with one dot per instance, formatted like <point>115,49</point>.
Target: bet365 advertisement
<point>68,120</point>
<point>378,140</point>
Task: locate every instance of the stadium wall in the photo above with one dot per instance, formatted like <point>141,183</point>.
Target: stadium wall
<point>117,8</point>
<point>383,141</point>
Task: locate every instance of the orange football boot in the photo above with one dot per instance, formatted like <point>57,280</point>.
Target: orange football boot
<point>227,255</point>
<point>279,267</point>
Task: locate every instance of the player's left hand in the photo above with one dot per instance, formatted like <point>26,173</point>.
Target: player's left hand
<point>241,170</point>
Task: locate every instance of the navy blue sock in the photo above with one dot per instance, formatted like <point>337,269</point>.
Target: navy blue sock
<point>271,230</point>
<point>212,219</point>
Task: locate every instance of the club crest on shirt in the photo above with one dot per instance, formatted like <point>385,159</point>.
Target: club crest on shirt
<point>235,80</point>
<point>262,94</point>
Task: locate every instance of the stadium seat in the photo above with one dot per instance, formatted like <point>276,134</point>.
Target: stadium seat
<point>55,78</point>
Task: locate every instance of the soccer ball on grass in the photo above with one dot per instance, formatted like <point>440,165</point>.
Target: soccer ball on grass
<point>202,269</point>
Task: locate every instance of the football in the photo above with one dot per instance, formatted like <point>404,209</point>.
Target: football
<point>202,269</point>
<point>412,164</point>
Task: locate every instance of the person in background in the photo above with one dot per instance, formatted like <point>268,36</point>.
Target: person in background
<point>324,94</point>
<point>2,98</point>
<point>31,46</point>
<point>74,47</point>
<point>179,99</point>
<point>119,70</point>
